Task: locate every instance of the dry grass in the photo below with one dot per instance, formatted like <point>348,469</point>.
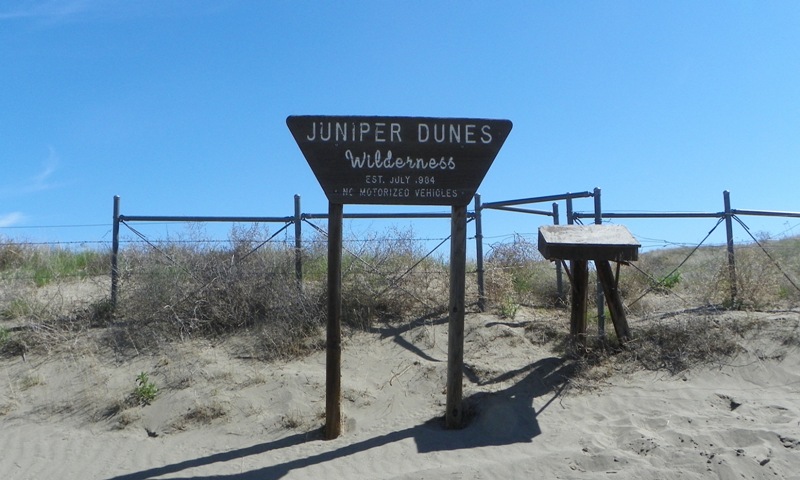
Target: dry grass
<point>172,292</point>
<point>206,412</point>
<point>184,304</point>
<point>246,290</point>
<point>517,275</point>
<point>670,343</point>
<point>390,277</point>
<point>767,275</point>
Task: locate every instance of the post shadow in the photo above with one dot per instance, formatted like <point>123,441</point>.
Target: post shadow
<point>397,331</point>
<point>497,418</point>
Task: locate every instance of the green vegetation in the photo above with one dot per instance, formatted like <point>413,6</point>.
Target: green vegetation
<point>17,308</point>
<point>5,335</point>
<point>508,309</point>
<point>43,265</point>
<point>145,391</point>
<point>669,281</point>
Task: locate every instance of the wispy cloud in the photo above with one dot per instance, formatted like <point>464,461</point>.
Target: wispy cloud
<point>11,219</point>
<point>42,180</point>
<point>58,11</point>
<point>46,9</point>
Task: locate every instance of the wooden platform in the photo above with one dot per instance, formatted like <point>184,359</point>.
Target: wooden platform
<point>588,242</point>
<point>601,244</point>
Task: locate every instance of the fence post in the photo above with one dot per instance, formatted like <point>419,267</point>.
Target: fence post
<point>570,220</point>
<point>729,233</point>
<point>115,254</point>
<point>559,273</point>
<point>599,299</point>
<point>479,253</point>
<point>298,244</point>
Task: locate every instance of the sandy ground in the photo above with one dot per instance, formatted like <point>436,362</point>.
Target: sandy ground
<point>218,416</point>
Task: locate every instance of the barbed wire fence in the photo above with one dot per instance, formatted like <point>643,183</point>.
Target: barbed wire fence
<point>398,267</point>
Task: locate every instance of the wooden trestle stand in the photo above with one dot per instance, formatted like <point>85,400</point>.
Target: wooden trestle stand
<point>601,244</point>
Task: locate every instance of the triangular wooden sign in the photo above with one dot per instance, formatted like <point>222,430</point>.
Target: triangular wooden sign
<point>399,160</point>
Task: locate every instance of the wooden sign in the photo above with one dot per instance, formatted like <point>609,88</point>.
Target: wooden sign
<point>399,160</point>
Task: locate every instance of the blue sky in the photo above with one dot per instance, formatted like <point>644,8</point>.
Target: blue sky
<point>180,107</point>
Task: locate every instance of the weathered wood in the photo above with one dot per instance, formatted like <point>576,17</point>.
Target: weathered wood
<point>611,291</point>
<point>580,244</point>
<point>580,296</point>
<point>454,414</point>
<point>588,242</point>
<point>399,160</point>
<point>333,378</point>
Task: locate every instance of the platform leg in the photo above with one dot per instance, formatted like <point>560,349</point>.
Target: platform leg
<point>606,276</point>
<point>580,294</point>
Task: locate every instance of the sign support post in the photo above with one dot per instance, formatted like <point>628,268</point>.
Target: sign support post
<point>454,414</point>
<point>333,363</point>
<point>398,161</point>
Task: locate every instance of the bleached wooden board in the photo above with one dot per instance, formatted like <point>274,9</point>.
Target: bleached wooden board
<point>588,242</point>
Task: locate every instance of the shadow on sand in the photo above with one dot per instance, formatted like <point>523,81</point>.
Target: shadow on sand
<point>497,418</point>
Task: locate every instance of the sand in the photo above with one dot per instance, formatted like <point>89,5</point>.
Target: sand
<point>220,416</point>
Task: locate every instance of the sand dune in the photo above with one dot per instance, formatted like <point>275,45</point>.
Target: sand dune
<point>222,417</point>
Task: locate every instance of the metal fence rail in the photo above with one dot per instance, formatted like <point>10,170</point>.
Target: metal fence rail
<point>728,215</point>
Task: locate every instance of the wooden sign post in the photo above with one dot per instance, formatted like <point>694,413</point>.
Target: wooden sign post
<point>398,161</point>
<point>454,411</point>
<point>333,344</point>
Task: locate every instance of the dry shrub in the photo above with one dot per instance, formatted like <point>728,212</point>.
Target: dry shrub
<point>553,331</point>
<point>648,274</point>
<point>389,277</point>
<point>758,281</point>
<point>206,412</point>
<point>516,274</point>
<point>685,272</point>
<point>36,296</point>
<point>41,320</point>
<point>678,344</point>
<point>46,334</point>
<point>191,287</point>
<point>703,278</point>
<point>13,254</point>
<point>672,344</point>
<point>500,288</point>
<point>173,291</point>
<point>177,291</point>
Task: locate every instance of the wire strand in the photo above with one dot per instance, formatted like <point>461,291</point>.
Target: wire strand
<point>663,279</point>
<point>747,229</point>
